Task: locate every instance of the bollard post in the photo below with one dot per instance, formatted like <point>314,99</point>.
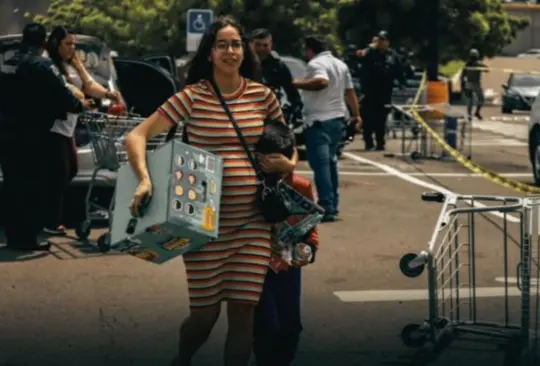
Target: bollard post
<point>450,133</point>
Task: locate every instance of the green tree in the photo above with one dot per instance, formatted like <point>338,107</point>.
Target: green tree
<point>463,24</point>
<point>135,27</point>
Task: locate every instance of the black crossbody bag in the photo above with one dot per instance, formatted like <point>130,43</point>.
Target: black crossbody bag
<point>269,199</point>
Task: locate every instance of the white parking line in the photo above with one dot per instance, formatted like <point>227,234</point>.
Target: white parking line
<point>418,182</point>
<point>416,174</point>
<point>416,295</point>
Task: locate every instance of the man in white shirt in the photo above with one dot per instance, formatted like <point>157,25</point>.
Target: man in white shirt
<point>328,86</point>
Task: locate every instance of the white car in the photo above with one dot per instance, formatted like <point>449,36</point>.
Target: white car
<point>532,53</point>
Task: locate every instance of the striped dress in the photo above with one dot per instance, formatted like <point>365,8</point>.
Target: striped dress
<point>233,267</point>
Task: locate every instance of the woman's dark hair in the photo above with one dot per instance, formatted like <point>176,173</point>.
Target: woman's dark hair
<point>58,34</point>
<point>201,67</point>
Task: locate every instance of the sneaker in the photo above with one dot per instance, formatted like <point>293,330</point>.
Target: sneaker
<point>328,218</point>
<point>59,231</point>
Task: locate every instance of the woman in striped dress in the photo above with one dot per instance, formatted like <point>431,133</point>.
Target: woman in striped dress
<point>233,268</point>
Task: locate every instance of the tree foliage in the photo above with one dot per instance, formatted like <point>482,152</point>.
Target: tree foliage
<point>134,27</point>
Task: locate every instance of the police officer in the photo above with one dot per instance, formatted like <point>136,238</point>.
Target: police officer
<point>275,74</point>
<point>37,97</point>
<point>380,67</point>
<point>471,83</point>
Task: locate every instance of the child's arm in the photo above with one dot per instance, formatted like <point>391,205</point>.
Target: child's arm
<point>312,238</point>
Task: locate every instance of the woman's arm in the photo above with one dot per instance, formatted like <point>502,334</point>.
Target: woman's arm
<point>90,87</point>
<point>175,110</point>
<point>136,142</point>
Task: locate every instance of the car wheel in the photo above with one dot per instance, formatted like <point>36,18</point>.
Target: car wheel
<point>506,110</point>
<point>535,158</point>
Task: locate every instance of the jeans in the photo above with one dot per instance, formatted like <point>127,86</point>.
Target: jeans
<point>277,324</point>
<point>322,144</point>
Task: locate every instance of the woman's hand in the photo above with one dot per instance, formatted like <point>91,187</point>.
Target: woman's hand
<point>276,163</point>
<point>144,188</point>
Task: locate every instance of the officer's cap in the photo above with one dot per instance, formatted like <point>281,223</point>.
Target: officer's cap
<point>383,35</point>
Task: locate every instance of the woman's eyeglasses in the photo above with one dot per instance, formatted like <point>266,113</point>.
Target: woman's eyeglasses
<point>224,45</point>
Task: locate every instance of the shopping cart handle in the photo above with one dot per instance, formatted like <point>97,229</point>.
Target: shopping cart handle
<point>433,197</point>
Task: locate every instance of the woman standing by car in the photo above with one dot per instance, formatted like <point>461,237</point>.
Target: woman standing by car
<point>232,268</point>
<point>62,156</point>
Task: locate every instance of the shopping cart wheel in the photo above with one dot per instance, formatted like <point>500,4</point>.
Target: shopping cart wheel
<point>415,155</point>
<point>412,336</point>
<point>408,271</point>
<point>83,230</point>
<point>104,243</point>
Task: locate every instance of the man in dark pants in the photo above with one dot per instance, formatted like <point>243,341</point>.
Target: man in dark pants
<point>275,74</point>
<point>38,96</point>
<point>380,66</point>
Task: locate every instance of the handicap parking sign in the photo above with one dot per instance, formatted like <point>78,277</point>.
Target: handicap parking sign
<point>198,20</point>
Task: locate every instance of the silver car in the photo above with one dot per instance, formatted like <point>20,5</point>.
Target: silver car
<point>155,82</point>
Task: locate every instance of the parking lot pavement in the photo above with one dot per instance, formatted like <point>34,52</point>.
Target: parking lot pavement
<point>78,307</point>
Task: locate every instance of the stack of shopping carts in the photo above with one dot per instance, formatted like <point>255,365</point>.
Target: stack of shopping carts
<point>452,269</point>
<point>107,133</point>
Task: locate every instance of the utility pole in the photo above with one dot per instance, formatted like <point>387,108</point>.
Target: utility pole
<point>433,47</point>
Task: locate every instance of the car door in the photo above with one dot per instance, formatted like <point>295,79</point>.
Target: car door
<point>144,85</point>
<point>164,61</point>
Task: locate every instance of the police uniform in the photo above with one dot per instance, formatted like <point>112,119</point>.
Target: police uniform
<point>276,75</point>
<point>471,83</point>
<point>37,97</point>
<point>379,69</point>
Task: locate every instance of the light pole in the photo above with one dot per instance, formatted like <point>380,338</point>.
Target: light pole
<point>433,48</point>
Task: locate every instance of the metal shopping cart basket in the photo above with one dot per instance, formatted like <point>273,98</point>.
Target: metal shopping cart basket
<point>107,133</point>
<point>451,264</point>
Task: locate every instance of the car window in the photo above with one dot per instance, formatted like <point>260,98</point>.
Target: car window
<point>525,81</point>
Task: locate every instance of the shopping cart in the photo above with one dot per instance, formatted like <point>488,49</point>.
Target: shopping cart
<point>106,134</point>
<point>450,260</point>
<point>417,143</point>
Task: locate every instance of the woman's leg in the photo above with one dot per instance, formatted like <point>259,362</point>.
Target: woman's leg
<point>194,331</point>
<point>58,179</point>
<point>240,333</point>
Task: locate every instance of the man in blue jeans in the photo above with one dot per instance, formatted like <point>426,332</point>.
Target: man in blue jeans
<point>327,88</point>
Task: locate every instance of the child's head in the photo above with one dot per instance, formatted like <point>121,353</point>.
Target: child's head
<point>277,137</point>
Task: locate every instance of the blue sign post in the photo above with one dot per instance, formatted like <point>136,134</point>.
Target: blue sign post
<point>198,20</point>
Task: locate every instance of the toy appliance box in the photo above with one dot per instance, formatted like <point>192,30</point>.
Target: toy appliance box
<point>183,213</point>
<point>307,215</point>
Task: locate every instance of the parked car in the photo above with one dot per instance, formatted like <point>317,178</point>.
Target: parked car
<point>153,84</point>
<point>534,140</point>
<point>532,53</point>
<point>520,91</point>
<point>144,83</point>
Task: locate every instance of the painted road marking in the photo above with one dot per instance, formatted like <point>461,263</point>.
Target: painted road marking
<point>517,131</point>
<point>417,295</point>
<point>499,142</point>
<point>416,174</point>
<point>421,183</point>
<point>513,280</point>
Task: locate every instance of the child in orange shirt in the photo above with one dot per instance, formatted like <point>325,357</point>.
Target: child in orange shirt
<point>277,325</point>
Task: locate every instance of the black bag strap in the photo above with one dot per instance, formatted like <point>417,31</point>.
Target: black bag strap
<point>251,159</point>
<point>172,133</point>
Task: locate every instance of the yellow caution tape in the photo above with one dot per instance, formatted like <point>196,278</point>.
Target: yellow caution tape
<point>463,160</point>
